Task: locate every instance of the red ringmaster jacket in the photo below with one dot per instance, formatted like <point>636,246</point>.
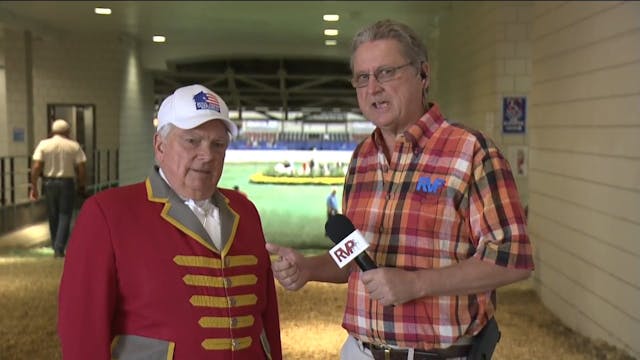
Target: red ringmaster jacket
<point>142,280</point>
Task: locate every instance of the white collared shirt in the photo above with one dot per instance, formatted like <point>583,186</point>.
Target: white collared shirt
<point>60,155</point>
<point>207,213</point>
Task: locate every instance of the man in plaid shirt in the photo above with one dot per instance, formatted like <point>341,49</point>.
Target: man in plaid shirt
<point>439,206</point>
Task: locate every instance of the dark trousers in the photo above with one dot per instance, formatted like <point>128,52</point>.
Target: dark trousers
<point>60,197</point>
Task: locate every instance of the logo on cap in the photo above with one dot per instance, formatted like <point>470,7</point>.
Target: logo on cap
<point>206,101</point>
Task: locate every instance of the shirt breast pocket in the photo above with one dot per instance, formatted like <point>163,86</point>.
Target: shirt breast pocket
<point>422,215</point>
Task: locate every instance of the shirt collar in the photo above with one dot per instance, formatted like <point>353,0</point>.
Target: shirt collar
<point>204,205</point>
<point>425,126</point>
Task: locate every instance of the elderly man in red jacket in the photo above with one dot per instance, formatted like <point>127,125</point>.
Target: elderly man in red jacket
<point>173,267</point>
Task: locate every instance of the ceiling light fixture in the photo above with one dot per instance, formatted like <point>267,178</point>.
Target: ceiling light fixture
<point>329,42</point>
<point>159,38</point>
<point>330,17</point>
<point>331,32</point>
<point>102,11</point>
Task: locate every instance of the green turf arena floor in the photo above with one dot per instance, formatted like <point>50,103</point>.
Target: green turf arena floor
<point>292,215</point>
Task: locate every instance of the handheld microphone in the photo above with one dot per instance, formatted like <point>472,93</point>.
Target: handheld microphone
<point>350,244</point>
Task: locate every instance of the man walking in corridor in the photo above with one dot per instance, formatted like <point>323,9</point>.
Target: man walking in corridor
<point>60,160</point>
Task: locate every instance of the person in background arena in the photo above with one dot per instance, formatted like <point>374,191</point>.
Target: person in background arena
<point>332,203</point>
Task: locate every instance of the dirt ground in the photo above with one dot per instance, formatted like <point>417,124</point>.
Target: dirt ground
<point>529,330</point>
<point>310,319</point>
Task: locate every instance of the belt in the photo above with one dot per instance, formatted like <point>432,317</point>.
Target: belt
<point>386,353</point>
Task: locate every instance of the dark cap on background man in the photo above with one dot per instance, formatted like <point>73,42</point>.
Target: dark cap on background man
<point>193,105</point>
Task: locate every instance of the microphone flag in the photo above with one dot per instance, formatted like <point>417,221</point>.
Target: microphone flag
<point>349,248</point>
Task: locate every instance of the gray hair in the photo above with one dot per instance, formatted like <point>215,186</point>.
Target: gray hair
<point>413,48</point>
<point>165,129</point>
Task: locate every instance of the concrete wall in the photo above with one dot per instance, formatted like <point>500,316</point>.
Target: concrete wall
<point>17,93</point>
<point>67,69</point>
<point>484,55</point>
<point>4,130</point>
<point>136,120</point>
<point>72,69</point>
<point>584,182</point>
<point>578,63</point>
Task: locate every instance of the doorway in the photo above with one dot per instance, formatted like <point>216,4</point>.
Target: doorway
<point>81,117</point>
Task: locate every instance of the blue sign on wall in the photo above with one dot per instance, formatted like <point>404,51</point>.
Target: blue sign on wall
<point>514,115</point>
<point>18,134</point>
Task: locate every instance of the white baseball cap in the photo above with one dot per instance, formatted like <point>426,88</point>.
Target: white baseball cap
<point>193,105</point>
<point>59,126</point>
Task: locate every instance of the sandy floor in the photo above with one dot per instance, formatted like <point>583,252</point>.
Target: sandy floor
<point>529,330</point>
<point>310,319</point>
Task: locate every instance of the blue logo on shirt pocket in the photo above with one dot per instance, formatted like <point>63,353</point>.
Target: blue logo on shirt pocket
<point>425,185</point>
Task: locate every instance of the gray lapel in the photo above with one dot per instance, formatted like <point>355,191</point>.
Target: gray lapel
<point>175,211</point>
<point>228,219</point>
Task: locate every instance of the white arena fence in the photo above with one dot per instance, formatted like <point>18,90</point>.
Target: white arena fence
<point>292,156</point>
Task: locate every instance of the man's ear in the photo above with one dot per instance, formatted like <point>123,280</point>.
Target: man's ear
<point>424,71</point>
<point>158,143</point>
<point>424,76</point>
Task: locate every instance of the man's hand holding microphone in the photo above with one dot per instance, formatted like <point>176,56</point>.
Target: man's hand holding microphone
<point>390,286</point>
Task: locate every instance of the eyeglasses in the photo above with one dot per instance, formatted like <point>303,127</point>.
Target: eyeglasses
<point>382,75</point>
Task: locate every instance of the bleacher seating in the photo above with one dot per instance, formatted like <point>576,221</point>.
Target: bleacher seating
<point>294,141</point>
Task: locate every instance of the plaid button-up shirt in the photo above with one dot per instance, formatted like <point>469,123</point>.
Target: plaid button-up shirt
<point>446,195</point>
